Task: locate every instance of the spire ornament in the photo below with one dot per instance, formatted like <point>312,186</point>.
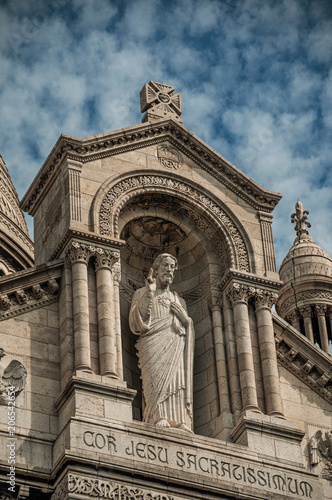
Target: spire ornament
<point>300,217</point>
<point>159,101</point>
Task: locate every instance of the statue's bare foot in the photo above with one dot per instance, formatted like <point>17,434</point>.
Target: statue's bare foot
<point>163,423</point>
<point>184,427</point>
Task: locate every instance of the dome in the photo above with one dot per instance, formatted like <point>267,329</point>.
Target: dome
<point>305,299</point>
<point>16,249</point>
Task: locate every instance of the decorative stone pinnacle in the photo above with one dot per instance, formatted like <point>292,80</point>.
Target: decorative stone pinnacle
<point>300,218</point>
<point>159,101</point>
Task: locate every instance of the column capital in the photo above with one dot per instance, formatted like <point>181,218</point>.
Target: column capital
<point>237,292</point>
<point>293,316</point>
<point>305,311</point>
<point>320,309</point>
<point>105,259</point>
<point>214,300</point>
<point>116,270</point>
<point>78,252</point>
<point>265,299</point>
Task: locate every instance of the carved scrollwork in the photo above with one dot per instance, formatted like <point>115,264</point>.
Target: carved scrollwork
<point>99,488</point>
<point>37,292</point>
<point>5,302</point>
<point>21,296</point>
<point>52,286</point>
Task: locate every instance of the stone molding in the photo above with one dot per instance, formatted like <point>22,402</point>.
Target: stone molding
<point>27,290</point>
<point>85,486</point>
<point>302,358</point>
<point>19,233</point>
<point>250,279</point>
<point>125,189</point>
<point>86,237</point>
<point>120,141</point>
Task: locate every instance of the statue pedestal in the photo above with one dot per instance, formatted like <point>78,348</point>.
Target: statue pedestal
<point>269,435</point>
<point>96,397</point>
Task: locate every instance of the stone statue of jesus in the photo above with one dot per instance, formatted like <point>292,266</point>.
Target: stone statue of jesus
<point>165,348</point>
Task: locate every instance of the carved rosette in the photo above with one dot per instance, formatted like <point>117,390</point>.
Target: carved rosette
<point>105,259</point>
<point>265,299</point>
<point>240,293</point>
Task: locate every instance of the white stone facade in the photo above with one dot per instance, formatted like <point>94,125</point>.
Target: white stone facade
<point>104,207</point>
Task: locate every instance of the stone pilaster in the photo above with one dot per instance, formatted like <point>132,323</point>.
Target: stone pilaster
<point>239,295</point>
<point>79,255</point>
<point>321,311</point>
<point>263,303</point>
<point>306,314</point>
<point>117,316</point>
<point>108,356</point>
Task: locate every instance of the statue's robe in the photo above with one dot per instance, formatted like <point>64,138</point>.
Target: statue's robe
<point>165,350</point>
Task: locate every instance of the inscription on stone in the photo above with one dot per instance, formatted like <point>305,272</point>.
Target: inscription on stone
<point>237,471</point>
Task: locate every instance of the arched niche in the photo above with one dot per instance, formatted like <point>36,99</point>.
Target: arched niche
<point>154,214</point>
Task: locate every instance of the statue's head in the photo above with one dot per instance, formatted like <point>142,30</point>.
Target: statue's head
<point>164,267</point>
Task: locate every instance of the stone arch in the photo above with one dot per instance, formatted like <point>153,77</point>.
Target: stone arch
<point>208,213</point>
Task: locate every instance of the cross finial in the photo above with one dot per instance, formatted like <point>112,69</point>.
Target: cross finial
<point>301,223</point>
<point>159,101</point>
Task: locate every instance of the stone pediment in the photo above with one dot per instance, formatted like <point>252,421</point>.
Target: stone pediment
<point>302,358</point>
<point>139,136</point>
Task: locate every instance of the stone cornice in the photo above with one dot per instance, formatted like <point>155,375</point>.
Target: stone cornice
<point>138,136</point>
<point>305,360</point>
<point>86,237</point>
<point>29,289</point>
<point>260,282</point>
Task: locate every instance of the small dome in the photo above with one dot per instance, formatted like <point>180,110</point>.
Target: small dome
<point>305,298</point>
<point>16,249</point>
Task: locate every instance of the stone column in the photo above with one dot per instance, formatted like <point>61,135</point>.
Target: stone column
<point>117,316</point>
<point>294,320</point>
<point>106,322</point>
<point>218,334</point>
<point>324,340</point>
<point>263,302</point>
<point>306,314</point>
<point>239,296</point>
<point>79,255</point>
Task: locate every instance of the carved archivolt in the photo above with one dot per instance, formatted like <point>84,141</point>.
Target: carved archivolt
<point>122,192</point>
<point>302,296</point>
<point>99,488</point>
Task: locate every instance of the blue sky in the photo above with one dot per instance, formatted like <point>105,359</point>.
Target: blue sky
<point>255,79</point>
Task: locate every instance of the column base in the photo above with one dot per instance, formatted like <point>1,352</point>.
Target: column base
<point>270,435</point>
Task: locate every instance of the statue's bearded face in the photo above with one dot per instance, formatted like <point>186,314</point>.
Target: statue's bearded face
<point>165,271</point>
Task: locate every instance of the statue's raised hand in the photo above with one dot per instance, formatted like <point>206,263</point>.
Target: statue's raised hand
<point>150,282</point>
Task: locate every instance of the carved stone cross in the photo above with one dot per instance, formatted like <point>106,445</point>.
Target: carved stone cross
<point>159,101</point>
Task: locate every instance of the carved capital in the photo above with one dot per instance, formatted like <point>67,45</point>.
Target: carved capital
<point>265,299</point>
<point>117,273</point>
<point>5,303</point>
<point>78,252</point>
<point>21,296</point>
<point>320,309</point>
<point>106,259</point>
<point>305,312</point>
<point>240,293</point>
<point>214,301</point>
<point>293,317</point>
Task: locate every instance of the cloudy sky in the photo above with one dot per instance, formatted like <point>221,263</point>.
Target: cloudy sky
<point>255,78</point>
